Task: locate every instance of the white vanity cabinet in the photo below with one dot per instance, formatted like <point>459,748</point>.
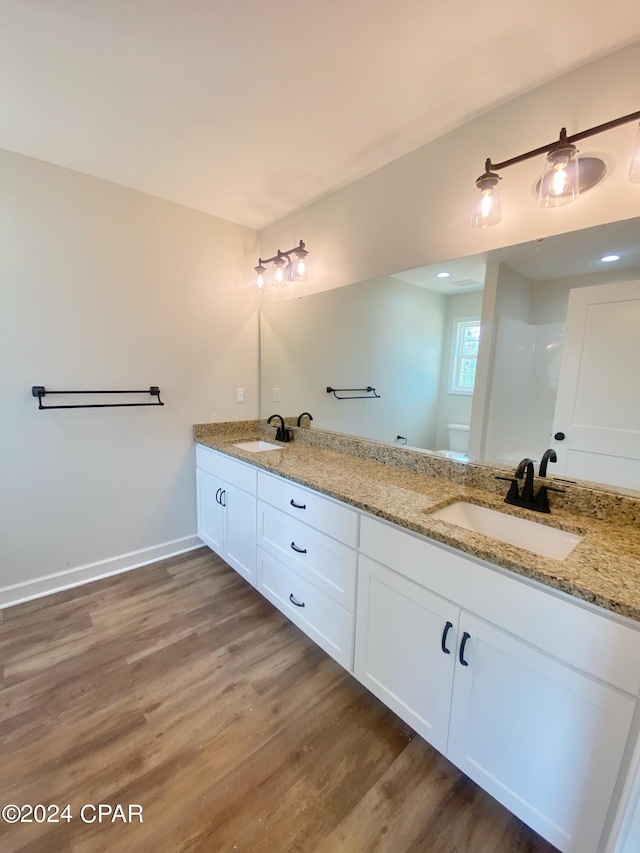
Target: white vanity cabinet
<point>226,507</point>
<point>307,562</point>
<point>530,695</point>
<point>529,692</point>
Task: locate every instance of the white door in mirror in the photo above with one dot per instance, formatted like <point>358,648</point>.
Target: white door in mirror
<point>597,418</point>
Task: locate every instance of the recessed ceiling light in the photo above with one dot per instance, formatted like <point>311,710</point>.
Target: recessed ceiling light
<point>443,274</point>
<point>608,258</point>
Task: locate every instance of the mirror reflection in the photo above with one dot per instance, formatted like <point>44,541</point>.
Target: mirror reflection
<point>483,358</point>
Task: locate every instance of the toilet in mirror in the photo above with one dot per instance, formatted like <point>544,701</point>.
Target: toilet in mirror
<point>484,359</point>
<point>458,446</point>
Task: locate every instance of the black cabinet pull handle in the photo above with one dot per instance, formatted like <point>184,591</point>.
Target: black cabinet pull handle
<point>463,643</point>
<point>293,601</point>
<point>222,497</point>
<point>218,496</point>
<point>298,550</point>
<point>297,506</point>
<point>443,642</point>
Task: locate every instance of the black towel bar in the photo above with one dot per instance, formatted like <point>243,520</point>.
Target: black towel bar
<point>370,395</point>
<point>40,391</point>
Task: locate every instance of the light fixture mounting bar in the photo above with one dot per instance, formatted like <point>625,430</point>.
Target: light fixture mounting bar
<point>576,137</point>
<point>298,248</point>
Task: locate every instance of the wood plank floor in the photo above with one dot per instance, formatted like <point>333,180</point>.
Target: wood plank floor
<point>179,688</point>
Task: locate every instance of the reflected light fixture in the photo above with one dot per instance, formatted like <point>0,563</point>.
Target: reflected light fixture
<point>610,258</point>
<point>565,174</point>
<point>443,274</point>
<point>292,265</point>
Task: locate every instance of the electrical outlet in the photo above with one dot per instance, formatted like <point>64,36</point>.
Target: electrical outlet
<point>276,395</point>
<point>239,395</point>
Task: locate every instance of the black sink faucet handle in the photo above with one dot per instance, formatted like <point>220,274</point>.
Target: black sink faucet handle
<point>513,494</point>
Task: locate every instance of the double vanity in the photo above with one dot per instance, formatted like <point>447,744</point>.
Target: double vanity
<point>510,643</point>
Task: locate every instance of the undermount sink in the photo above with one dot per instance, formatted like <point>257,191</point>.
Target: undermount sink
<point>528,535</point>
<point>257,446</point>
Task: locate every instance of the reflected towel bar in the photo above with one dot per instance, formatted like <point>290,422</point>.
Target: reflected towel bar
<point>40,391</point>
<point>370,395</point>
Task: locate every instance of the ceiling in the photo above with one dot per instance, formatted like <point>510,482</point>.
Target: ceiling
<point>576,253</point>
<point>249,110</point>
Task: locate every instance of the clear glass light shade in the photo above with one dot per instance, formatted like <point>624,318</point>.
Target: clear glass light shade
<point>634,168</point>
<point>560,182</point>
<point>279,277</point>
<point>261,277</point>
<point>488,206</point>
<point>298,268</point>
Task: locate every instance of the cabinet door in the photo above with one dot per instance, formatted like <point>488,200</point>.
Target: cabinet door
<point>405,648</point>
<point>240,509</point>
<point>210,512</point>
<point>542,738</point>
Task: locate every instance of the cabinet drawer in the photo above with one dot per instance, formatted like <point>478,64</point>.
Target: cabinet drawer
<point>228,469</point>
<point>593,642</point>
<point>320,617</point>
<point>324,562</point>
<point>334,519</point>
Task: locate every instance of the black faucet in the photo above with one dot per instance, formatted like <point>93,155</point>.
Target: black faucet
<point>526,499</point>
<point>282,433</point>
<point>303,415</point>
<point>526,464</point>
<point>548,456</point>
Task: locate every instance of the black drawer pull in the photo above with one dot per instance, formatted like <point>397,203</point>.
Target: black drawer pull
<point>463,643</point>
<point>443,642</point>
<point>297,506</point>
<point>298,550</point>
<point>293,601</point>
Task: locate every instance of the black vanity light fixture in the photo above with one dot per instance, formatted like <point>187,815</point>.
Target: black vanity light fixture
<point>565,174</point>
<point>292,265</point>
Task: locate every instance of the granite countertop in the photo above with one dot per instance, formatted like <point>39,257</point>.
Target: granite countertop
<point>604,568</point>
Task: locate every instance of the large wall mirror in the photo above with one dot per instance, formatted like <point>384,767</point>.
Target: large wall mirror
<point>487,358</point>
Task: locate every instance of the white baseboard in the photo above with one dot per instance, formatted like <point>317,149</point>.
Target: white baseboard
<point>28,590</point>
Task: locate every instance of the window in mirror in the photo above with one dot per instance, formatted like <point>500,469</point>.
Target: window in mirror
<point>466,336</point>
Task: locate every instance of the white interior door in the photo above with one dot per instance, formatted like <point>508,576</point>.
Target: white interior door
<point>598,403</point>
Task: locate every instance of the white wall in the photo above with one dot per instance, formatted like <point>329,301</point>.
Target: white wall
<point>104,287</point>
<point>415,210</point>
<point>384,333</point>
